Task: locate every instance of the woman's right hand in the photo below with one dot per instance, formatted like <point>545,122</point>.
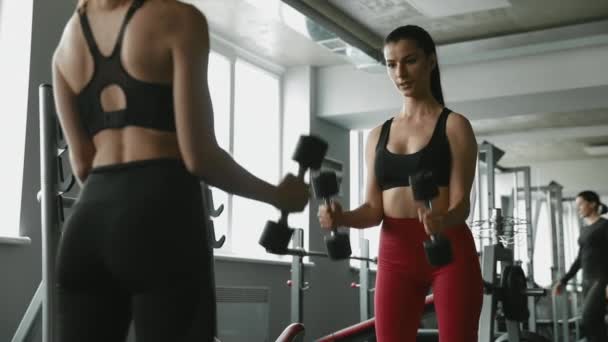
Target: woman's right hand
<point>558,288</point>
<point>292,194</point>
<point>330,218</point>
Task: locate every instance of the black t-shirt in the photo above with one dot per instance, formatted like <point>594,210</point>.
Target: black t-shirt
<point>593,252</point>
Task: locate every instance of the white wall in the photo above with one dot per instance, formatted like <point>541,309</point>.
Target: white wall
<point>347,96</point>
<point>574,175</point>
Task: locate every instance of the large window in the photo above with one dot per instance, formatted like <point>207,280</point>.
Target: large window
<point>358,181</point>
<point>256,147</point>
<point>219,79</point>
<point>15,38</point>
<point>248,124</point>
<point>543,252</point>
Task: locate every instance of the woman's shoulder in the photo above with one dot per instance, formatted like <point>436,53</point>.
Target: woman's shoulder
<point>180,12</point>
<point>455,118</point>
<point>70,38</point>
<point>458,123</point>
<point>180,19</point>
<point>375,132</point>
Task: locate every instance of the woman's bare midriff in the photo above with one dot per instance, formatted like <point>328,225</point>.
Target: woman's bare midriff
<point>399,202</point>
<point>117,146</point>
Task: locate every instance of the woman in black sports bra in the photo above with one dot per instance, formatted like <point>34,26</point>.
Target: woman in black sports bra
<point>130,86</point>
<point>424,135</point>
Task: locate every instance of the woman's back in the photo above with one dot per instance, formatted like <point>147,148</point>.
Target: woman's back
<point>145,56</point>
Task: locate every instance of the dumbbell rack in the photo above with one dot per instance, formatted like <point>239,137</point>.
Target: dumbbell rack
<point>493,254</point>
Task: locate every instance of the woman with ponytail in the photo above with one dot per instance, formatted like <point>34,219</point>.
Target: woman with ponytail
<point>130,87</point>
<point>423,135</point>
<point>593,259</point>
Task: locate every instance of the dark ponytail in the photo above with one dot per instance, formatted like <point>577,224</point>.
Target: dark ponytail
<point>424,40</point>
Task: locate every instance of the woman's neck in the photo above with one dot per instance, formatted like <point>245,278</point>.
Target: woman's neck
<point>419,106</point>
<point>592,219</point>
<point>108,4</point>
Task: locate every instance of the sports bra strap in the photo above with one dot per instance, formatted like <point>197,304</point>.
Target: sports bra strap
<point>383,138</point>
<point>134,7</point>
<point>88,33</point>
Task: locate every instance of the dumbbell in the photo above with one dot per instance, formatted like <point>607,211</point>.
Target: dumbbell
<point>309,153</point>
<point>438,250</point>
<point>325,186</point>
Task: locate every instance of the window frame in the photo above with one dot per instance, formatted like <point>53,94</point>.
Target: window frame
<point>233,54</point>
<point>359,187</point>
<point>12,233</point>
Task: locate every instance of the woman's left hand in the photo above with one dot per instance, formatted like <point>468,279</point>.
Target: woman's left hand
<point>433,222</point>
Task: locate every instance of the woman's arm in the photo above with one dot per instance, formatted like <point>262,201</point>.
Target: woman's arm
<point>576,265</point>
<point>463,147</point>
<point>194,119</point>
<point>371,212</point>
<point>81,147</point>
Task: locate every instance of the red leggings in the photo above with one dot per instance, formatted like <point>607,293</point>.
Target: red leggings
<point>405,276</point>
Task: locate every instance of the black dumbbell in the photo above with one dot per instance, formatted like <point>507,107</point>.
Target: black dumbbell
<point>309,153</point>
<point>438,250</point>
<point>338,244</point>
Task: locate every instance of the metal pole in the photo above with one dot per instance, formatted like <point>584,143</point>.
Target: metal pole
<point>516,248</point>
<point>530,235</point>
<point>480,208</point>
<point>297,279</point>
<point>561,255</point>
<point>529,227</point>
<point>527,179</point>
<point>364,311</point>
<point>554,267</point>
<point>491,187</point>
<point>486,319</point>
<point>575,311</point>
<point>48,204</point>
<point>27,322</point>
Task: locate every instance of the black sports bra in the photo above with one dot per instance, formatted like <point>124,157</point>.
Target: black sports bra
<point>393,170</point>
<point>148,104</point>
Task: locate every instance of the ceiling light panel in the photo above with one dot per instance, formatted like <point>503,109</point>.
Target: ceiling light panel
<point>596,150</point>
<point>443,8</point>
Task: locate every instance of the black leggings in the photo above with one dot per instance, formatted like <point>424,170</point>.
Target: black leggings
<point>594,310</point>
<point>135,249</point>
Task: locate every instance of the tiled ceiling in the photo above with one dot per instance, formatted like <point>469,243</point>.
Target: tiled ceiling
<point>523,152</point>
<point>540,121</point>
<point>381,16</point>
<point>256,30</point>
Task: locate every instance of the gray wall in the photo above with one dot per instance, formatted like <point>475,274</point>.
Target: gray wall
<point>20,265</point>
<point>21,268</point>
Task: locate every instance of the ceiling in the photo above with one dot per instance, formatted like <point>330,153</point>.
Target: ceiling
<point>382,16</point>
<point>545,136</point>
<point>532,122</point>
<point>258,30</point>
<point>513,27</point>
